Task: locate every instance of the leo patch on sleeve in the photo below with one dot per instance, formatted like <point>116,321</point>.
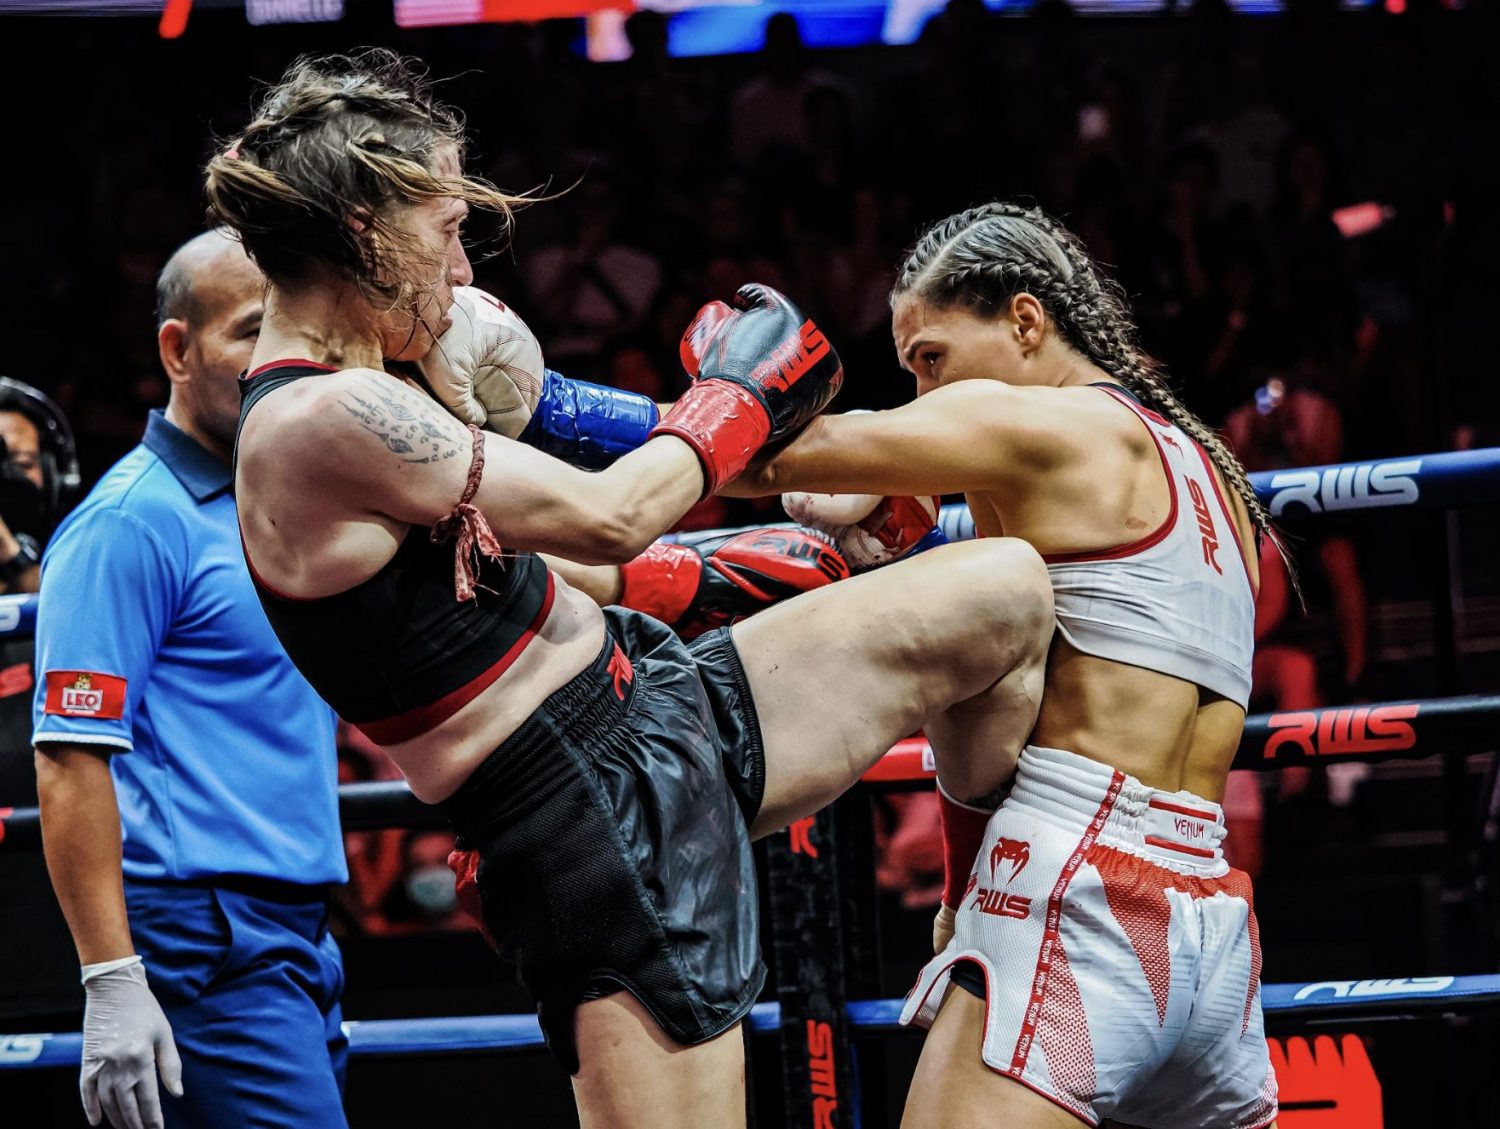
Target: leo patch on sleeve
<point>85,693</point>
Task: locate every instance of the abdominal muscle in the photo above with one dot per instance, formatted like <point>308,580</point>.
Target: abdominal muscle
<point>1167,733</point>
<point>436,763</point>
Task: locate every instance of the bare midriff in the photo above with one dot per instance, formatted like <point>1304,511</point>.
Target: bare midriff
<point>435,763</point>
<point>1164,731</point>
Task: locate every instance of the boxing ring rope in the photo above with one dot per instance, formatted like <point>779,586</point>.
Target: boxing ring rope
<point>1314,1002</point>
<point>1447,480</point>
<point>821,881</point>
<point>1364,734</point>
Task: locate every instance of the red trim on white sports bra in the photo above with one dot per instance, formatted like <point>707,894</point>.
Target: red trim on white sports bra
<point>1208,468</point>
<point>295,362</point>
<point>1131,548</point>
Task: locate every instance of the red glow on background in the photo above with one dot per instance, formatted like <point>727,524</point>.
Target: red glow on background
<point>174,17</point>
<point>1361,219</point>
<point>1395,7</point>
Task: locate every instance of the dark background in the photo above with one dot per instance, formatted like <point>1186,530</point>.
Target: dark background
<point>1203,156</point>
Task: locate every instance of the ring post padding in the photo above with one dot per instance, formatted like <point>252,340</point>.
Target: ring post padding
<point>808,949</point>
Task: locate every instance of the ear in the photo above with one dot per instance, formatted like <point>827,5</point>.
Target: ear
<point>1029,319</point>
<point>358,221</point>
<point>171,347</point>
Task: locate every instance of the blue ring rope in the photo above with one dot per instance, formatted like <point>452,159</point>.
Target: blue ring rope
<point>471,1034</point>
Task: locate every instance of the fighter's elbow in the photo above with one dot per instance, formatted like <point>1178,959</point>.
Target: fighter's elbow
<point>618,537</point>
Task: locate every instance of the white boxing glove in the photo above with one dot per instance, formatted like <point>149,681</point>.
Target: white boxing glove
<point>487,369</point>
<point>868,529</point>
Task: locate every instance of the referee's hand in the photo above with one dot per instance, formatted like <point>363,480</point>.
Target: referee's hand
<point>126,1039</point>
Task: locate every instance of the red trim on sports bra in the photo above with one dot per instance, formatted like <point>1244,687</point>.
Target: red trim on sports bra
<point>1130,548</point>
<point>260,580</point>
<point>1208,468</point>
<point>293,362</point>
<point>413,723</point>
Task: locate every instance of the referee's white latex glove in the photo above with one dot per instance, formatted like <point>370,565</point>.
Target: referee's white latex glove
<point>487,368</point>
<point>126,1039</point>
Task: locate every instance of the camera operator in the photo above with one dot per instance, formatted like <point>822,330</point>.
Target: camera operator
<point>38,470</point>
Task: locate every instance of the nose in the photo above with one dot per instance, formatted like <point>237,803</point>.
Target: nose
<point>459,267</point>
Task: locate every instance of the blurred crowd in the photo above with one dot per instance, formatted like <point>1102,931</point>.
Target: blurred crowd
<point>1291,202</point>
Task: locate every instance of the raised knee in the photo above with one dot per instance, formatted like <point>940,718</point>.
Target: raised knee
<point>1015,593</point>
<point>1000,596</point>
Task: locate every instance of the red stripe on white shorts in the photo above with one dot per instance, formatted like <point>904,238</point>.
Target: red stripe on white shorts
<point>1051,935</point>
<point>1178,809</point>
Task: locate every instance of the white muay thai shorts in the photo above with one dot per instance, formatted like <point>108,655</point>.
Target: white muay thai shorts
<point>1119,951</point>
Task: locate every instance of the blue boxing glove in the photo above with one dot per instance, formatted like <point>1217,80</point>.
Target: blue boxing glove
<point>487,370</point>
<point>588,425</point>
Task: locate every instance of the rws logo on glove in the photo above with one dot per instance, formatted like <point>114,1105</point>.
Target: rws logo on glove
<point>791,360</point>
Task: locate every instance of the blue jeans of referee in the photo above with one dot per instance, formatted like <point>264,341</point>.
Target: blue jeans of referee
<point>250,979</point>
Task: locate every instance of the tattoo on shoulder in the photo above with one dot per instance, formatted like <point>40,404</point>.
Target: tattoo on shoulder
<point>401,428</point>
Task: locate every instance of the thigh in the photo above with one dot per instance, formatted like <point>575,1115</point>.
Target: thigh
<point>953,1086</point>
<point>632,1074</point>
<point>840,674</point>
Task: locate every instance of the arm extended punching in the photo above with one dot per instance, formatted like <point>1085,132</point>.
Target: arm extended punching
<point>977,435</point>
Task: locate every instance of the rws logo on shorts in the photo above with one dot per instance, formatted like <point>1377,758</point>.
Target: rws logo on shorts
<point>85,693</point>
<point>1344,732</point>
<point>998,903</point>
<point>1352,486</point>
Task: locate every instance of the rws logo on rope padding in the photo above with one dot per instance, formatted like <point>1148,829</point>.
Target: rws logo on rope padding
<point>22,1048</point>
<point>1344,732</point>
<point>1353,486</point>
<point>1364,989</point>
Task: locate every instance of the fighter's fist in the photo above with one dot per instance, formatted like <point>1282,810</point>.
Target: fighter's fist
<point>761,369</point>
<point>487,368</point>
<point>869,530</point>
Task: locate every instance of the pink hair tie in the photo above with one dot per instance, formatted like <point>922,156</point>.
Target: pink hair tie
<point>233,152</point>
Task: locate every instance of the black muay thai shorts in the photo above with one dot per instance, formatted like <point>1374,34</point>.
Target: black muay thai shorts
<point>611,833</point>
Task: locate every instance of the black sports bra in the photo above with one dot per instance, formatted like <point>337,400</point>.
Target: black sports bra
<point>398,653</point>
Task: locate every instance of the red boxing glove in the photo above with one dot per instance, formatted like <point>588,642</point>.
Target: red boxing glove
<point>761,369</point>
<point>696,588</point>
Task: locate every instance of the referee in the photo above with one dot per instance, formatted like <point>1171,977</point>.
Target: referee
<point>168,718</point>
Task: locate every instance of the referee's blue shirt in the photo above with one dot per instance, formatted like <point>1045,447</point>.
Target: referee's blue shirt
<point>151,642</point>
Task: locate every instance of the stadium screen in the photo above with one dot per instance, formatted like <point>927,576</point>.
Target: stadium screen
<point>719,27</point>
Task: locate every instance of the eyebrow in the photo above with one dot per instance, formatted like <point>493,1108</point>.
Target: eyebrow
<point>911,350</point>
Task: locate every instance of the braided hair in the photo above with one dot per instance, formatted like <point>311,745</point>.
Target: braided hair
<point>981,258</point>
<point>337,149</point>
